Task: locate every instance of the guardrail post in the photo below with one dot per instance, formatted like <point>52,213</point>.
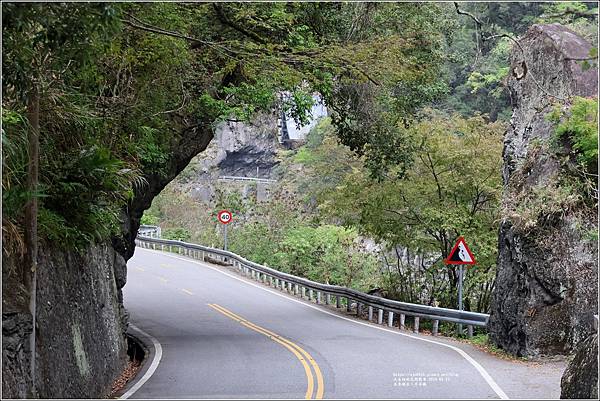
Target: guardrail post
<point>436,325</point>
<point>203,256</point>
<point>416,328</point>
<point>253,274</point>
<point>276,283</point>
<point>295,289</point>
<point>380,316</point>
<point>303,292</point>
<point>370,313</point>
<point>337,302</point>
<point>327,299</point>
<point>402,320</point>
<point>310,294</point>
<point>318,297</point>
<point>162,247</point>
<point>349,301</point>
<point>358,308</point>
<point>390,319</point>
<point>470,331</point>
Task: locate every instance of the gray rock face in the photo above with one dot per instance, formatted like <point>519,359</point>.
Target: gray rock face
<point>80,328</point>
<point>240,149</point>
<point>546,283</point>
<point>580,379</point>
<point>16,353</point>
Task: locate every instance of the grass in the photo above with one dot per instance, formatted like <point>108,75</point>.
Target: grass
<point>482,342</point>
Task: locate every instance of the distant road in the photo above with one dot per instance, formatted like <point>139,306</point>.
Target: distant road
<point>223,336</point>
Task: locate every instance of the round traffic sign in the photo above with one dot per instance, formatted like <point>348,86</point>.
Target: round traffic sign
<point>224,216</point>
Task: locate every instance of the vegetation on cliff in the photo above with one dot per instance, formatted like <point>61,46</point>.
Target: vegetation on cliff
<point>121,96</point>
<point>448,184</point>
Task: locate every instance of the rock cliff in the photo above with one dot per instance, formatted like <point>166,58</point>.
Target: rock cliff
<point>81,323</point>
<point>580,379</point>
<point>546,283</point>
<point>240,149</point>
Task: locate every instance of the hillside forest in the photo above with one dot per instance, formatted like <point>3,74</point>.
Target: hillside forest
<point>408,159</point>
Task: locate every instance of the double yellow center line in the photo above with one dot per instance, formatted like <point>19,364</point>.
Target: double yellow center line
<point>295,349</point>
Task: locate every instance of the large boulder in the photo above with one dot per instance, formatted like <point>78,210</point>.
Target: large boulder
<point>546,284</point>
<point>580,379</point>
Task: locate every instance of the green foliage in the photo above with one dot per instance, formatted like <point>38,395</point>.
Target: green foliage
<point>179,234</point>
<point>453,188</point>
<point>149,219</point>
<point>327,254</point>
<point>315,136</point>
<point>477,67</point>
<point>152,156</point>
<point>580,124</point>
<point>122,89</point>
<point>14,163</point>
<point>304,156</point>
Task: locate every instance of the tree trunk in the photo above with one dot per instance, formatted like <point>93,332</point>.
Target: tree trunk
<point>31,214</point>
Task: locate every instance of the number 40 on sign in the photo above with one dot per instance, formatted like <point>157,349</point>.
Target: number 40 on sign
<point>225,217</point>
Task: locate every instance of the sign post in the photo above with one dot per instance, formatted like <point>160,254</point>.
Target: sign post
<point>460,255</point>
<point>225,217</point>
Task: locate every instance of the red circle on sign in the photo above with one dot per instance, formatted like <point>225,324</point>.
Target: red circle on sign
<point>224,216</point>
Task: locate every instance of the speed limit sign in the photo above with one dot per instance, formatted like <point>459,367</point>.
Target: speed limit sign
<point>224,216</point>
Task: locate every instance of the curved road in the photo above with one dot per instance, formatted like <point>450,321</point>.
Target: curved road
<point>225,336</point>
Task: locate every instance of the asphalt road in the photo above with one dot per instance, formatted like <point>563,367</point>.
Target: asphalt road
<point>225,336</point>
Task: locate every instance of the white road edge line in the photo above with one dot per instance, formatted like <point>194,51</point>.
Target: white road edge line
<point>486,376</point>
<point>153,365</point>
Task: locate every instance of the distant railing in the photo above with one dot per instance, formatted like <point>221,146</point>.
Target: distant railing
<point>150,231</point>
<point>255,179</point>
<point>317,291</point>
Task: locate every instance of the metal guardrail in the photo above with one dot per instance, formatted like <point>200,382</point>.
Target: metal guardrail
<point>302,286</point>
<point>256,179</point>
<point>150,231</point>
